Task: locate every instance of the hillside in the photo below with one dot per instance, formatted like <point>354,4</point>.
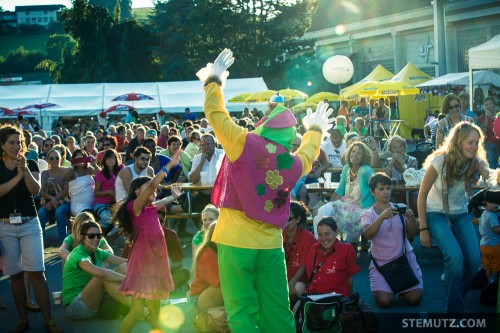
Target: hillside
<point>29,42</point>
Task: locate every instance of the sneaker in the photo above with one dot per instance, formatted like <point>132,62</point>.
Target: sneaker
<point>442,278</point>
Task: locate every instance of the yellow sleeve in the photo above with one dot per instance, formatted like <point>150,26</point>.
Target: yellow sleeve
<point>231,136</point>
<point>308,151</point>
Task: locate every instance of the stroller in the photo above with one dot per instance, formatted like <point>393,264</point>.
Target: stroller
<point>421,151</point>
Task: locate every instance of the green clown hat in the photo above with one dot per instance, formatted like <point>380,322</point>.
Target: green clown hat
<point>278,126</point>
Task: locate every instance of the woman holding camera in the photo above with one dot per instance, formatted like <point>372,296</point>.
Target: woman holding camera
<point>383,225</point>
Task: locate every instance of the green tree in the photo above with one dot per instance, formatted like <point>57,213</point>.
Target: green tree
<point>21,61</point>
<point>261,33</point>
<point>57,44</point>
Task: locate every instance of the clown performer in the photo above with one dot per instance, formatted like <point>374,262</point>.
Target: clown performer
<point>252,191</point>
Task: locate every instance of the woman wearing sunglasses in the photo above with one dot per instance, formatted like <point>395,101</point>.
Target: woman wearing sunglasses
<point>85,280</point>
<point>451,108</point>
<point>54,192</point>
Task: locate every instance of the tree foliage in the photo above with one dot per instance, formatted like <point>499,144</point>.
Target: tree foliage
<point>261,33</point>
<point>21,61</point>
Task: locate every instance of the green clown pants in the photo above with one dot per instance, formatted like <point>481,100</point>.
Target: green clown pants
<point>255,290</point>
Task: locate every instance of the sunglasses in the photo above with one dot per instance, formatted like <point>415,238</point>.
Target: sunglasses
<point>92,236</point>
<point>295,145</point>
<point>456,106</point>
<point>54,158</point>
<point>106,144</point>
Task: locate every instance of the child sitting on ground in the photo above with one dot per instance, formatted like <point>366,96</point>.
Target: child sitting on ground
<point>489,229</point>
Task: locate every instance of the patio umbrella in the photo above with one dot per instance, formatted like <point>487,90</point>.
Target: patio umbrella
<point>321,96</point>
<point>119,108</point>
<point>5,112</point>
<point>260,96</point>
<point>304,105</point>
<point>395,88</point>
<point>359,90</point>
<point>133,97</point>
<point>239,98</point>
<point>37,107</point>
<point>289,94</point>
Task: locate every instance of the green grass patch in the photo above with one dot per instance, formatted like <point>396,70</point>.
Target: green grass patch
<point>29,42</point>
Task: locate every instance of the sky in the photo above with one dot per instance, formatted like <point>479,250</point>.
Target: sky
<point>11,4</point>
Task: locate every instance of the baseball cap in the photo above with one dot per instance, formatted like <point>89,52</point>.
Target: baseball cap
<point>150,133</point>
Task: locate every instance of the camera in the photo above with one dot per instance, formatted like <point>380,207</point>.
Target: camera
<point>366,139</point>
<point>401,209</point>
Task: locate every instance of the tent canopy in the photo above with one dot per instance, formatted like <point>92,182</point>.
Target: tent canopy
<point>481,78</point>
<point>90,99</point>
<point>486,55</point>
<point>379,73</point>
<point>411,75</point>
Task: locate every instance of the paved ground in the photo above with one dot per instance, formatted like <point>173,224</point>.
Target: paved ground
<point>178,318</point>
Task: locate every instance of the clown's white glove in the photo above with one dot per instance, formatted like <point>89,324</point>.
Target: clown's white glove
<point>217,72</point>
<point>319,119</point>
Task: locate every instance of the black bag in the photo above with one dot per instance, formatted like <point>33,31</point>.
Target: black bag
<point>357,316</point>
<point>489,293</point>
<point>398,273</point>
<point>319,315</point>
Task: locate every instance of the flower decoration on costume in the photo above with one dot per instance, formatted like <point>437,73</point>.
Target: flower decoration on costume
<point>261,189</point>
<point>273,179</point>
<point>280,199</point>
<point>271,148</point>
<point>268,206</point>
<point>263,162</point>
<point>285,161</point>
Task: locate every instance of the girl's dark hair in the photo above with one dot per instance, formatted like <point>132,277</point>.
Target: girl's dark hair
<point>120,214</point>
<point>79,151</point>
<point>105,171</point>
<point>379,178</point>
<point>299,209</point>
<point>328,221</point>
<point>87,225</point>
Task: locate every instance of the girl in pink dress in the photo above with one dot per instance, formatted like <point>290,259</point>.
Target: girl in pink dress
<point>148,279</point>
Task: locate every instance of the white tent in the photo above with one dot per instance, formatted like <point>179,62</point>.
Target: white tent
<point>93,98</point>
<point>481,78</point>
<point>483,56</point>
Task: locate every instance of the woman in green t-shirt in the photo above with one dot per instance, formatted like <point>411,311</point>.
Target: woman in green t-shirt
<point>85,280</point>
<point>73,240</point>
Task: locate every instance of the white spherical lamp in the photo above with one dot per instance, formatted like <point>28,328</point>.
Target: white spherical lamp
<point>338,69</point>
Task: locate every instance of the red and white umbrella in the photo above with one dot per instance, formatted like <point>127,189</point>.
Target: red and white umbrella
<point>37,107</point>
<point>119,108</point>
<point>5,112</point>
<point>133,97</point>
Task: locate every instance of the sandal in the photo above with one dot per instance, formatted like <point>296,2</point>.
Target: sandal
<point>51,327</point>
<point>32,307</point>
<point>22,325</point>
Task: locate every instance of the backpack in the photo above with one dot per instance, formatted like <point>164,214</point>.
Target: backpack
<point>489,294</point>
<point>212,320</point>
<point>318,314</point>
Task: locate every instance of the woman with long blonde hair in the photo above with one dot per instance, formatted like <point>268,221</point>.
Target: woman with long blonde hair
<point>444,195</point>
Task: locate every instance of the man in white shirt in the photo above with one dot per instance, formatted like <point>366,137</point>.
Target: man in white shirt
<point>334,148</point>
<point>204,169</point>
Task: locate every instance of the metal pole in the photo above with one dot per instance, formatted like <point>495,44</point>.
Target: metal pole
<point>439,36</point>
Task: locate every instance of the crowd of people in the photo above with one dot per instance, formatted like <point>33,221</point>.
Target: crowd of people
<point>119,180</point>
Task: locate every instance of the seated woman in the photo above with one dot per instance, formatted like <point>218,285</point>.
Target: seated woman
<point>326,256</point>
<point>209,215</point>
<point>81,188</point>
<point>399,161</point>
<point>84,279</point>
<point>296,243</point>
<point>382,225</point>
<point>104,191</point>
<point>74,239</point>
<point>205,287</point>
<point>54,192</point>
<point>352,196</point>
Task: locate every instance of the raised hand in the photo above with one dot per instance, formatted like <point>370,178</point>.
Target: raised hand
<point>320,118</point>
<point>217,70</point>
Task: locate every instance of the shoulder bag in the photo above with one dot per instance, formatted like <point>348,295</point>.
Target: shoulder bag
<point>398,272</point>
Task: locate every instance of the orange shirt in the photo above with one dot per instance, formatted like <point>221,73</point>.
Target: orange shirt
<point>206,272</point>
<point>343,111</point>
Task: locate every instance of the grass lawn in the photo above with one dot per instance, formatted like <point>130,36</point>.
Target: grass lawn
<point>29,42</point>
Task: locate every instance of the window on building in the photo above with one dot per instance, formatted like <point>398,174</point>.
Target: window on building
<point>429,70</point>
<point>39,20</point>
<point>51,19</point>
<point>27,13</point>
<point>33,19</point>
<point>466,40</point>
<point>45,19</point>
